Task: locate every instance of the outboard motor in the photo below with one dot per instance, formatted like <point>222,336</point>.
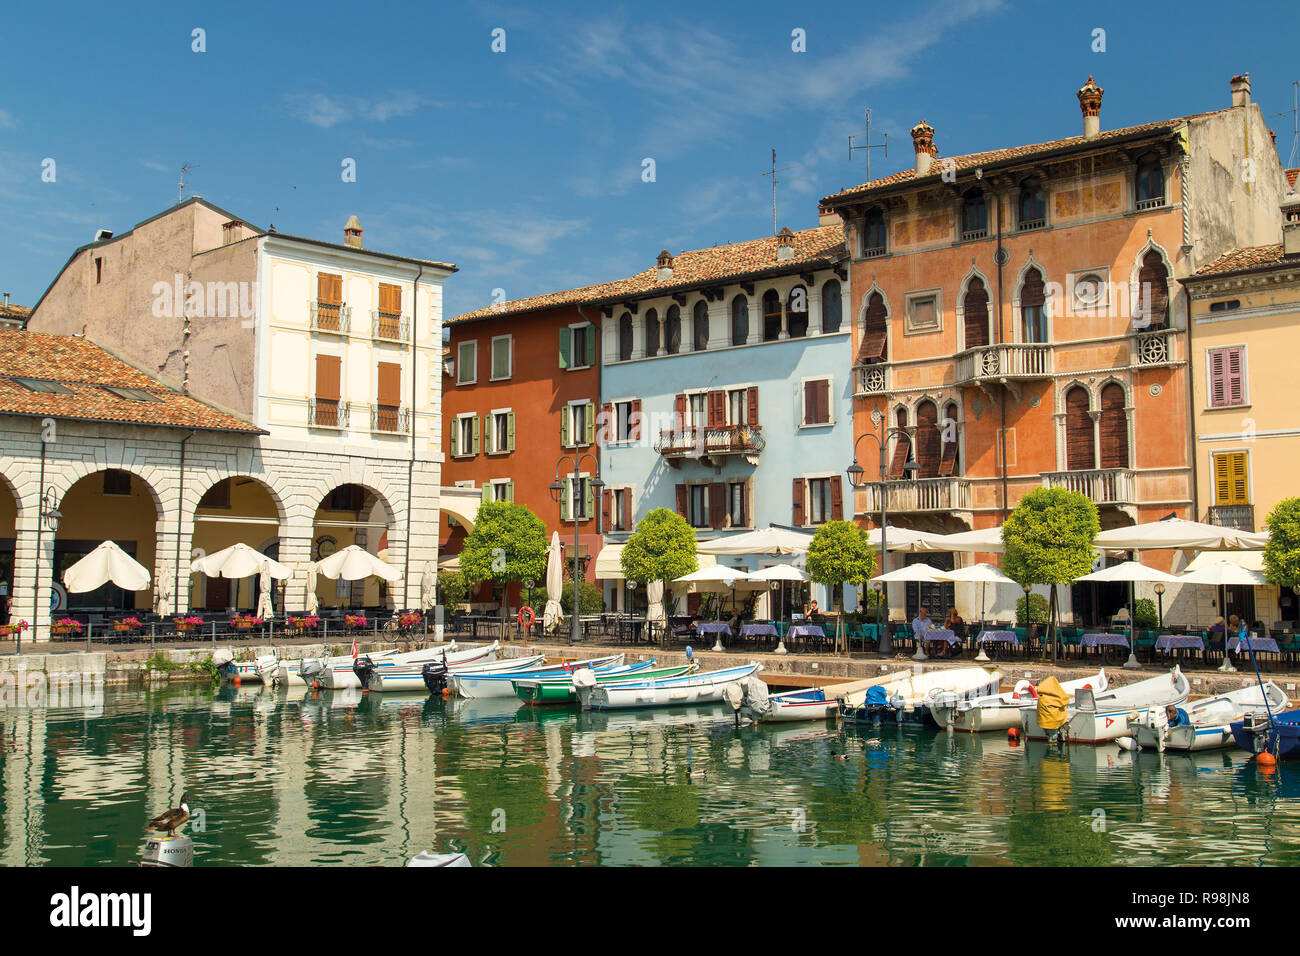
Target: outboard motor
<point>948,701</point>
<point>225,661</point>
<point>899,703</point>
<point>876,703</point>
<point>168,851</point>
<point>435,676</point>
<point>311,669</point>
<point>363,667</point>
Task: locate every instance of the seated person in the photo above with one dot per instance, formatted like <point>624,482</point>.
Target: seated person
<point>1176,716</point>
<point>954,623</point>
<point>1216,634</point>
<point>920,625</point>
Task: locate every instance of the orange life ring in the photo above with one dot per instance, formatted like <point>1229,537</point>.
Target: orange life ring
<point>1033,692</point>
<point>526,611</point>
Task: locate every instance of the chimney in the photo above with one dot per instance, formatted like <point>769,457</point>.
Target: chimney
<point>828,217</point>
<point>6,301</point>
<point>785,244</point>
<point>1291,224</point>
<point>1241,90</point>
<point>352,232</point>
<point>1090,103</point>
<point>923,143</point>
<point>665,264</point>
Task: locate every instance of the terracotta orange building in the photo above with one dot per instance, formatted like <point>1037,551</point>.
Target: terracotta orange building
<point>1017,321</point>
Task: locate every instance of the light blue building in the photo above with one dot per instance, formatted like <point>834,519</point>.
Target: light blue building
<point>726,394</point>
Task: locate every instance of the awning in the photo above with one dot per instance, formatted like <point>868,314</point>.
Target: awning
<point>609,566</point>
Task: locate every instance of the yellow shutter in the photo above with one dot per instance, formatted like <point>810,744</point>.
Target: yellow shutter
<point>1231,485</point>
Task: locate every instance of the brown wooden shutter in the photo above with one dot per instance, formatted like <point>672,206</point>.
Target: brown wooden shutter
<point>634,422</point>
<point>816,402</point>
<point>329,289</point>
<point>1080,454</point>
<point>717,409</point>
<point>718,505</point>
<point>1218,378</point>
<point>1234,381</point>
<point>390,298</point>
<point>1153,289</point>
<point>1114,428</point>
<point>875,331</point>
<point>797,511</point>
<point>681,501</point>
<point>606,498</point>
<point>609,427</point>
<point>902,450</point>
<point>1032,293</point>
<point>927,440</point>
<point>679,409</point>
<point>752,401</point>
<point>390,384</point>
<point>327,377</point>
<point>837,500</point>
<point>976,308</point>
<point>627,509</point>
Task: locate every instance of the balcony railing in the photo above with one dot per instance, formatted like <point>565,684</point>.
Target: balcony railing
<point>970,235</point>
<point>390,326</point>
<point>1027,224</point>
<point>872,379</point>
<point>327,413</point>
<point>389,418</point>
<point>1155,348</point>
<point>1153,203</point>
<point>719,440</point>
<point>1004,363</point>
<point>1105,486</point>
<point>1241,517</point>
<point>874,252</point>
<point>329,316</point>
<point>921,494</point>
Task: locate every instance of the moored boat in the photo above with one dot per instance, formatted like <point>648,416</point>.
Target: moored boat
<point>340,674</point>
<point>1279,735</point>
<point>1098,718</point>
<point>707,687</point>
<point>1206,724</point>
<point>409,678</point>
<point>500,684</point>
<point>1002,711</point>
<point>540,691</point>
<point>909,696</point>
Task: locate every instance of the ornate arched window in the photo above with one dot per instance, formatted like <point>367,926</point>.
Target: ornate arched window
<point>771,315</point>
<point>1153,291</point>
<point>832,307</point>
<point>948,464</point>
<point>974,215</point>
<point>1113,427</point>
<point>739,320</point>
<point>700,330</point>
<point>673,330</point>
<point>652,332</point>
<point>1150,183</point>
<point>1032,207</point>
<point>927,440</point>
<point>875,236</point>
<point>1080,454</point>
<point>975,313</point>
<point>625,336</point>
<point>797,312</point>
<point>1033,315</point>
<point>902,445</point>
<point>875,331</point>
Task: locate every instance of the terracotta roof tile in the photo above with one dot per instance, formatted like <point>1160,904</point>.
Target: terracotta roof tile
<point>84,368</point>
<point>1238,260</point>
<point>817,247</point>
<point>14,313</point>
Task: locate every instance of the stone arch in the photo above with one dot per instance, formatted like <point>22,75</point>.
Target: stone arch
<point>1017,288</point>
<point>199,484</point>
<point>1135,292</point>
<point>67,474</point>
<point>962,290</point>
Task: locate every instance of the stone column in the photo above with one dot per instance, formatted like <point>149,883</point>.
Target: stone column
<point>29,605</point>
<point>295,551</point>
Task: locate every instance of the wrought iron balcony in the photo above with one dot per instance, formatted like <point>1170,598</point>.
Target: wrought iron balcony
<point>1241,517</point>
<point>872,379</point>
<point>921,494</point>
<point>326,413</point>
<point>1105,486</point>
<point>330,316</point>
<point>389,419</point>
<point>1004,363</point>
<point>1155,348</point>
<point>710,442</point>
<point>390,326</point>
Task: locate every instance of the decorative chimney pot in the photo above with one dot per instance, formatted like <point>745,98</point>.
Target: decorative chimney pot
<point>785,244</point>
<point>665,264</point>
<point>1240,90</point>
<point>1090,103</point>
<point>352,232</point>
<point>923,143</point>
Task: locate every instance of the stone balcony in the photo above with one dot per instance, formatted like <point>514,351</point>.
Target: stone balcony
<point>711,443</point>
<point>876,379</point>
<point>1104,486</point>
<point>919,495</point>
<point>1004,364</point>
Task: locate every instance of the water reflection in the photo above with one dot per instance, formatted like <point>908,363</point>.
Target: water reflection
<point>295,777</point>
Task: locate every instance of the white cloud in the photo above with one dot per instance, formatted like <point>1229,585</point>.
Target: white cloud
<point>7,120</point>
<point>327,110</point>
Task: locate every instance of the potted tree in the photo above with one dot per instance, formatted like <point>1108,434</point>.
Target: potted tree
<point>839,554</point>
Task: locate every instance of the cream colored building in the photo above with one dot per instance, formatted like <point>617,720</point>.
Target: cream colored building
<point>332,350</point>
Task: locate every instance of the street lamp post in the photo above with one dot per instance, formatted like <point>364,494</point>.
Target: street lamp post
<point>856,472</point>
<point>557,492</point>
<point>1160,606</point>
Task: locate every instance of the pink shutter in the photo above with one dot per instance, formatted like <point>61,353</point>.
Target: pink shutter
<point>1218,386</point>
<point>1233,379</point>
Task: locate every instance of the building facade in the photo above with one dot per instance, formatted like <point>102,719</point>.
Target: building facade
<point>1017,324</point>
<point>331,350</point>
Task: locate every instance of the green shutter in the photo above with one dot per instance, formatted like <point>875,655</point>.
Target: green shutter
<point>510,491</point>
<point>564,501</point>
<point>510,431</point>
<point>591,345</point>
<point>590,508</point>
<point>487,432</point>
<point>487,491</point>
<point>474,450</point>
<point>564,347</point>
<point>591,422</point>
<point>455,437</point>
<point>564,425</point>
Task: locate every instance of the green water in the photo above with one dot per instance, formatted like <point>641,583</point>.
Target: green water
<point>340,778</point>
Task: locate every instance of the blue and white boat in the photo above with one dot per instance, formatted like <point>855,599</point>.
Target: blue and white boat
<point>908,697</point>
<point>408,678</point>
<point>1206,724</point>
<point>501,684</point>
<point>1280,736</point>
<point>703,688</point>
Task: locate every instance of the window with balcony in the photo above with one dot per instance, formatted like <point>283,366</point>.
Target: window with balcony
<point>771,316</point>
<point>673,330</point>
<point>797,312</point>
<point>875,236</point>
<point>1153,294</point>
<point>1112,427</point>
<point>742,406</point>
<point>1231,478</point>
<point>739,320</point>
<point>875,331</point>
<point>625,337</point>
<point>698,409</point>
<point>832,307</point>
<point>1033,312</point>
<point>700,326</point>
<point>948,463</point>
<point>467,363</point>
<point>388,320</point>
<point>1032,206</point>
<point>928,450</point>
<point>325,409</point>
<point>1227,376</point>
<point>902,445</point>
<point>329,303</point>
<point>652,332</point>
<point>974,215</point>
<point>1150,190</point>
<point>502,357</point>
<point>975,314</point>
<point>388,401</point>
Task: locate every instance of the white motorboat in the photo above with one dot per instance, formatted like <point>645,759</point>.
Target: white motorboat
<point>1002,711</point>
<point>1206,724</point>
<point>409,678</point>
<point>707,687</point>
<point>288,672</point>
<point>501,684</point>
<point>909,696</point>
<point>341,674</point>
<point>1098,718</point>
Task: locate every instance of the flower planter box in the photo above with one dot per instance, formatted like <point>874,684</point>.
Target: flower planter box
<point>243,626</point>
<point>63,631</point>
<point>185,628</point>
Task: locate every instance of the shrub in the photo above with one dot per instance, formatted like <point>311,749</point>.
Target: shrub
<point>591,598</point>
<point>1037,610</point>
<point>451,590</point>
<point>1145,616</point>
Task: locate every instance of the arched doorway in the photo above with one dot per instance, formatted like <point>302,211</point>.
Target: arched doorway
<point>236,510</point>
<point>109,505</point>
<point>8,539</point>
<point>352,514</point>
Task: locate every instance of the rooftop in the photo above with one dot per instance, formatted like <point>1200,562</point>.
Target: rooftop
<point>1247,259</point>
<point>81,370</point>
<point>819,247</point>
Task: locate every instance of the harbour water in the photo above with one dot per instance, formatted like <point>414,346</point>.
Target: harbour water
<point>336,778</point>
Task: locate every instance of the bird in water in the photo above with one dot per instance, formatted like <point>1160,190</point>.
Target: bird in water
<point>843,756</point>
<point>169,821</point>
<point>697,774</point>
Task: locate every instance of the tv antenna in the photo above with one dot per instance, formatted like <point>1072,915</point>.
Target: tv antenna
<point>772,172</point>
<point>1294,113</point>
<point>183,182</point>
<point>868,145</point>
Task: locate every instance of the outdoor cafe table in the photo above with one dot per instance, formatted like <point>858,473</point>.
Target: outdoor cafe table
<point>941,634</point>
<point>806,631</point>
<point>758,630</point>
<point>1264,645</point>
<point>1103,641</point>
<point>1179,642</point>
<point>999,640</point>
<point>714,627</point>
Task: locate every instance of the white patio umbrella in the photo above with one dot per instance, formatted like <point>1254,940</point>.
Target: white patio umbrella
<point>1250,560</point>
<point>355,563</point>
<point>780,572</point>
<point>1130,572</point>
<point>913,572</point>
<point>1178,533</point>
<point>903,539</point>
<point>238,561</point>
<point>981,539</point>
<point>984,575</point>
<point>770,541</point>
<point>1222,572</point>
<point>554,583</point>
<point>106,563</point>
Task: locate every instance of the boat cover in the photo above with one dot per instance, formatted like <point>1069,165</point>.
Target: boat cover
<point>1052,704</point>
<point>877,696</point>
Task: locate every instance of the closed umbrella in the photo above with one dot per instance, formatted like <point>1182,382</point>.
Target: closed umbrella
<point>428,586</point>
<point>554,584</point>
<point>265,608</point>
<point>355,563</point>
<point>106,563</point>
<point>313,602</point>
<point>654,596</point>
<point>1130,572</point>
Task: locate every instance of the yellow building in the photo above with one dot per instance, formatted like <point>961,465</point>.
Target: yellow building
<point>1245,337</point>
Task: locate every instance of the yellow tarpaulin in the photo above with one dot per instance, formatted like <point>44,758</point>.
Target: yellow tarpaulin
<point>1052,704</point>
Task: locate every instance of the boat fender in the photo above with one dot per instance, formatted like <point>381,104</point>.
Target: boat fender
<point>1126,743</point>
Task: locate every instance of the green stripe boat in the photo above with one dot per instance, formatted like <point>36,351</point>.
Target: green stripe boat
<point>559,690</point>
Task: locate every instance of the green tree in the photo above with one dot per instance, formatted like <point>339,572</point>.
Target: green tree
<point>452,589</point>
<point>1037,610</point>
<point>591,598</point>
<point>1282,553</point>
<point>508,543</point>
<point>660,549</point>
<point>1048,539</point>
<point>839,554</point>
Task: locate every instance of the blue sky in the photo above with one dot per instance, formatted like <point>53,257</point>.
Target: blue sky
<point>525,167</point>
